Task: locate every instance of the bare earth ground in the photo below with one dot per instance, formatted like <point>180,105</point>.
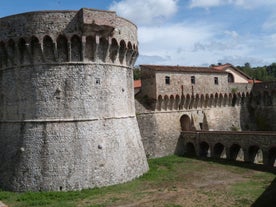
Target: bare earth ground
<point>209,186</point>
<point>195,193</point>
<point>171,182</point>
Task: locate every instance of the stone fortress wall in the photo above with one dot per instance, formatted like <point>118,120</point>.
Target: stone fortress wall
<point>164,110</point>
<point>257,147</point>
<point>67,116</point>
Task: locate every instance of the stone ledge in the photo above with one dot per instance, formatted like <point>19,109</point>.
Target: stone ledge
<point>64,120</point>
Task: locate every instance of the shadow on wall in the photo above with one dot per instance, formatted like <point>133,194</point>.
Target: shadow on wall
<point>179,150</point>
<point>268,198</point>
<point>259,111</point>
<point>146,101</point>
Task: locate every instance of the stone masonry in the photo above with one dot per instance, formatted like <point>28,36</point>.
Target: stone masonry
<point>173,99</point>
<point>67,116</point>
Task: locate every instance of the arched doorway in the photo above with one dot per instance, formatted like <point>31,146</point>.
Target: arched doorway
<point>190,149</point>
<point>204,149</point>
<point>185,123</point>
<point>230,78</point>
<point>219,151</point>
<point>272,157</point>
<point>236,153</point>
<point>255,154</point>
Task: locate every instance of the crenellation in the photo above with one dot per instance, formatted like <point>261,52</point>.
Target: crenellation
<point>66,49</point>
<point>67,116</point>
<point>66,40</point>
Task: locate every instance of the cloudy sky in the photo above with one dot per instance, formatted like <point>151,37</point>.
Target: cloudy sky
<point>186,32</point>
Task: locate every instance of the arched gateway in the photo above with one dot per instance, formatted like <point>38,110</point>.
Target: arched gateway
<point>185,123</point>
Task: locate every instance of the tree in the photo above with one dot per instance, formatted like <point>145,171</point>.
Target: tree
<point>264,73</point>
<point>247,65</point>
<point>137,73</point>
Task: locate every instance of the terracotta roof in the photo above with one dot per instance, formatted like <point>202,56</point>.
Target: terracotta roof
<point>181,69</point>
<point>254,81</point>
<point>137,84</point>
<point>227,65</point>
<point>222,67</point>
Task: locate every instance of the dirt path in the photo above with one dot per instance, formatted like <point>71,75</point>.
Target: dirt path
<point>194,193</point>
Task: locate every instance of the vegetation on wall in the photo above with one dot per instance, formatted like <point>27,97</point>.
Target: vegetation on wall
<point>137,73</point>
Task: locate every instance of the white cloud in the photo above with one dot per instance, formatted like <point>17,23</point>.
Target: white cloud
<point>202,44</point>
<point>200,41</point>
<point>145,11</point>
<point>205,3</point>
<point>247,4</point>
<point>232,34</point>
<point>171,37</point>
<point>172,44</point>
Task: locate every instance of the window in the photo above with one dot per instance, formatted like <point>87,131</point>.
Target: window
<point>98,81</point>
<point>201,125</point>
<point>193,79</point>
<point>230,78</point>
<point>216,80</point>
<point>167,80</point>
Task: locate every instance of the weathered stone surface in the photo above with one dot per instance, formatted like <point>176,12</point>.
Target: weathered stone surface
<point>67,116</point>
<point>162,106</point>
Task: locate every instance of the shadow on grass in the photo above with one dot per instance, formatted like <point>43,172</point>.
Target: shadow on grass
<point>241,164</point>
<point>268,197</point>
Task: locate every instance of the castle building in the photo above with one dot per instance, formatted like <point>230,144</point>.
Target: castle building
<point>67,116</point>
<point>234,74</point>
<point>180,98</point>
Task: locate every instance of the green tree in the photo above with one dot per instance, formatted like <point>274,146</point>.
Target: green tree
<point>137,73</point>
<point>264,73</point>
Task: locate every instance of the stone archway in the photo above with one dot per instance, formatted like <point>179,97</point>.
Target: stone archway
<point>204,149</point>
<point>236,153</point>
<point>272,157</point>
<point>190,149</point>
<point>231,78</point>
<point>185,123</point>
<point>219,151</point>
<point>255,154</point>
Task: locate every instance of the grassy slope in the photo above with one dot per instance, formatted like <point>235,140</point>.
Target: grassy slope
<point>171,182</point>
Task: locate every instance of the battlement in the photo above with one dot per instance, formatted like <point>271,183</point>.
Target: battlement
<point>67,102</point>
<point>201,101</point>
<point>67,36</point>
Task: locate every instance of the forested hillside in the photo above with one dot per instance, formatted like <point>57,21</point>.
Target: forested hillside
<point>264,73</point>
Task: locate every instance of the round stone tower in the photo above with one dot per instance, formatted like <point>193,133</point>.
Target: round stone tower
<point>67,116</point>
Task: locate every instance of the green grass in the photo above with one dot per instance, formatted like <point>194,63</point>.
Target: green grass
<point>170,175</point>
<point>247,192</point>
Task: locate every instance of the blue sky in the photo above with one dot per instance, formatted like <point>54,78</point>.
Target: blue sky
<point>186,32</point>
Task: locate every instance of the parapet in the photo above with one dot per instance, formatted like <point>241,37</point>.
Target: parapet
<point>86,35</point>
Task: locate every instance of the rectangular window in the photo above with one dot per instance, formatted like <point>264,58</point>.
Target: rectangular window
<point>167,80</point>
<point>201,125</point>
<point>98,81</point>
<point>216,80</point>
<point>193,79</point>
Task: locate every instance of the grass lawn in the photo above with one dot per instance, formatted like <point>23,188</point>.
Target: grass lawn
<point>171,182</point>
